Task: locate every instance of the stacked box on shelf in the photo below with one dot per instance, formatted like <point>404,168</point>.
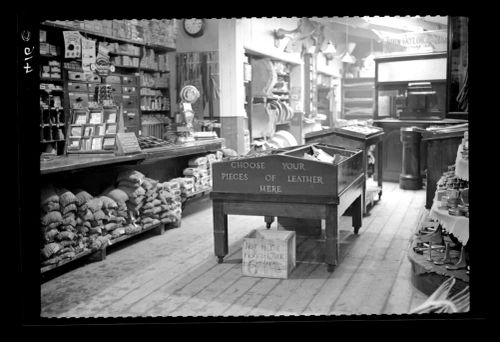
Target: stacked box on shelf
<point>198,170</point>
<point>198,176</point>
<point>148,60</point>
<point>107,26</point>
<point>155,80</point>
<point>50,69</point>
<point>136,31</point>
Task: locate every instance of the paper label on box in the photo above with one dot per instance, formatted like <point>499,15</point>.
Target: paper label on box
<point>111,118</point>
<point>81,119</point>
<point>88,53</point>
<point>72,44</point>
<point>96,117</point>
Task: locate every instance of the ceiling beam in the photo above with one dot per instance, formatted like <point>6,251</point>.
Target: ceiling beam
<point>331,28</point>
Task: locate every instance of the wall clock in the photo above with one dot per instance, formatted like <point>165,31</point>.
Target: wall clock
<point>194,27</point>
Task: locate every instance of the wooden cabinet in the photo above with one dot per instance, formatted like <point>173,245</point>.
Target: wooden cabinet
<point>392,157</point>
<point>458,64</point>
<point>411,87</point>
<point>441,152</point>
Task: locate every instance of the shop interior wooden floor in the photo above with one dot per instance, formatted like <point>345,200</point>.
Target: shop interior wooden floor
<point>176,274</point>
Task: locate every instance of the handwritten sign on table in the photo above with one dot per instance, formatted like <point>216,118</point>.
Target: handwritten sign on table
<point>127,143</point>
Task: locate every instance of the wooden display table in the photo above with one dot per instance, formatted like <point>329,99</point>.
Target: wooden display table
<point>350,139</point>
<point>283,183</point>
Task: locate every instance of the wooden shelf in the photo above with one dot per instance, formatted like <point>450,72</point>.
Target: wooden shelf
<point>50,141</point>
<point>123,54</point>
<point>76,257</point>
<point>197,193</point>
<point>159,88</point>
<point>110,37</point>
<point>44,79</point>
<point>51,124</point>
<point>154,70</point>
<point>126,67</point>
<point>49,56</point>
<point>128,236</point>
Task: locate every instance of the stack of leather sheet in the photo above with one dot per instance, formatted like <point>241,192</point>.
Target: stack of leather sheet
<point>152,142</point>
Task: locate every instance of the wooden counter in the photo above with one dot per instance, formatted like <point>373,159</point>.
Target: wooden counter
<point>80,162</point>
<point>392,159</point>
<point>77,162</point>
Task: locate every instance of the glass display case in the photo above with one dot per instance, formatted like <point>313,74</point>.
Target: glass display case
<point>411,87</point>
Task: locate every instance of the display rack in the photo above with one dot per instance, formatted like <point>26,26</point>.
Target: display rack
<point>129,59</point>
<point>358,98</point>
<point>285,91</point>
<point>52,99</point>
<point>93,131</point>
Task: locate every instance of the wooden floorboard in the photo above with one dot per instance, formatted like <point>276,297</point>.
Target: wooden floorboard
<point>351,257</point>
<point>367,290</point>
<point>176,274</point>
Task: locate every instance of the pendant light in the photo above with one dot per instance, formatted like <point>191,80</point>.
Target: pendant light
<point>329,52</point>
<point>348,58</point>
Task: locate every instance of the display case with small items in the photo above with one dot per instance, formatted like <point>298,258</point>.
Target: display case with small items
<point>52,115</point>
<point>452,194</point>
<point>93,130</point>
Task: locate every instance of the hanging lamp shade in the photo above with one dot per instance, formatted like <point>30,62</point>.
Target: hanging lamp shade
<point>348,58</point>
<point>330,48</point>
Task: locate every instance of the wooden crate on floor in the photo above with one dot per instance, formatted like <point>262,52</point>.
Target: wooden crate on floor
<point>269,253</point>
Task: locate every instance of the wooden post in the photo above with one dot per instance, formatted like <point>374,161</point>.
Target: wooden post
<point>379,167</point>
<point>98,255</point>
<point>357,214</point>
<point>160,229</point>
<point>331,243</point>
<point>220,230</point>
<point>363,195</point>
